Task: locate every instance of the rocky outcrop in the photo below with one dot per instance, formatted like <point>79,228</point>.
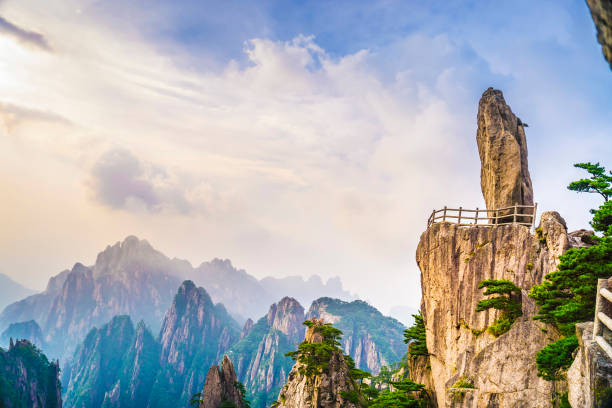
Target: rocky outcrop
<point>601,11</point>
<point>260,355</point>
<point>453,261</point>
<point>324,390</point>
<point>504,175</point>
<point>371,339</point>
<point>246,329</point>
<point>195,333</point>
<point>590,375</point>
<point>221,386</point>
<point>29,330</point>
<point>419,371</point>
<point>27,378</point>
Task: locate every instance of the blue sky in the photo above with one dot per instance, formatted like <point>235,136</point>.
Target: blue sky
<point>291,137</point>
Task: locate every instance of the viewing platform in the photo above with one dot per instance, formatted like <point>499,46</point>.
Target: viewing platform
<point>516,214</point>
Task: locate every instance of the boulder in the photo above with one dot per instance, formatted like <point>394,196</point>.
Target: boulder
<point>221,386</point>
<point>504,176</point>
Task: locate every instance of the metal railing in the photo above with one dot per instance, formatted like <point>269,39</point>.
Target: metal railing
<point>516,214</point>
<point>602,326</point>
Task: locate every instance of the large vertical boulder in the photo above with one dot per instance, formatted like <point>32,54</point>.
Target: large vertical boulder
<point>504,176</point>
<point>221,387</point>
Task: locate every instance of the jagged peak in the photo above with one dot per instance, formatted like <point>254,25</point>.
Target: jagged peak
<point>286,316</point>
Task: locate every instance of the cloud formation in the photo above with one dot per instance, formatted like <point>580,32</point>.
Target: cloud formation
<point>121,181</point>
<point>305,154</point>
<point>26,37</point>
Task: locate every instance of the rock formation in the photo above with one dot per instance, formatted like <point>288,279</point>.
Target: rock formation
<point>27,378</point>
<point>601,11</point>
<point>260,355</point>
<point>590,373</point>
<point>454,260</point>
<point>373,340</point>
<point>11,291</point>
<point>96,364</point>
<point>195,333</point>
<point>320,391</point>
<point>504,176</point>
<point>221,386</point>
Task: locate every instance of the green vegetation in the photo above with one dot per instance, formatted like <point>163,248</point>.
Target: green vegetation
<point>415,337</point>
<point>358,319</point>
<point>315,359</point>
<point>555,358</point>
<point>508,302</point>
<point>27,378</point>
<point>567,296</point>
<point>463,382</point>
<point>404,394</point>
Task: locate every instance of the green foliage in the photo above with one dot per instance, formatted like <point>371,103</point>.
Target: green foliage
<point>602,218</point>
<point>567,296</point>
<point>26,373</point>
<point>196,399</point>
<point>555,358</point>
<point>463,382</point>
<point>415,337</point>
<point>508,302</point>
<point>599,182</point>
<point>405,394</point>
<point>358,319</point>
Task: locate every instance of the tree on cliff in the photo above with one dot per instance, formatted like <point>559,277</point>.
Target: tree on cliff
<point>415,337</point>
<point>567,296</point>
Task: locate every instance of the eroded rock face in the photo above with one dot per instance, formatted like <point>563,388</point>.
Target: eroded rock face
<point>453,261</point>
<point>590,371</point>
<point>601,11</point>
<point>220,386</point>
<point>504,175</point>
<point>260,355</point>
<point>320,391</point>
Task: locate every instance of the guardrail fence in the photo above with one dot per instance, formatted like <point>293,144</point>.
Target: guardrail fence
<point>516,214</point>
<point>602,327</point>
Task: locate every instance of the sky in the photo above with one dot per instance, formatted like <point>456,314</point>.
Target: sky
<point>292,137</point>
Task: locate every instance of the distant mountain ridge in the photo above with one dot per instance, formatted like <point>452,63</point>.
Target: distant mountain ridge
<point>133,278</point>
<point>122,366</point>
<point>11,291</point>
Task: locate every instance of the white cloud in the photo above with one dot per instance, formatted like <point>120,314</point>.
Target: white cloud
<point>297,162</point>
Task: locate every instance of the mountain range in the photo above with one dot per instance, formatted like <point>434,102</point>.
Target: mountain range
<point>133,278</point>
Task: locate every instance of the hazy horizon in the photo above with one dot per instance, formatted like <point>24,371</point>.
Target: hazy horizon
<point>303,139</point>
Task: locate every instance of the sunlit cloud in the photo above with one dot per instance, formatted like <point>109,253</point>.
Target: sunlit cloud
<point>23,36</point>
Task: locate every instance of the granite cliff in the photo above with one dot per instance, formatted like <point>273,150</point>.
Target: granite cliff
<point>469,366</point>
<point>221,387</point>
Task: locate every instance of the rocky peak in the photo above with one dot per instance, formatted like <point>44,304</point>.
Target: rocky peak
<point>221,386</point>
<point>287,317</point>
<point>129,253</point>
<point>195,334</point>
<point>504,175</point>
<point>246,329</point>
